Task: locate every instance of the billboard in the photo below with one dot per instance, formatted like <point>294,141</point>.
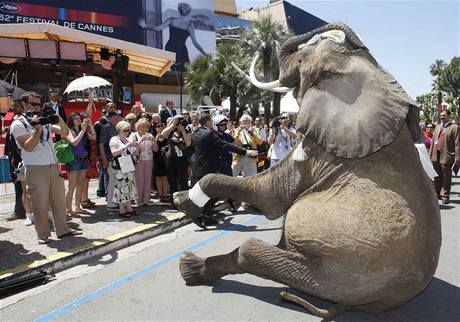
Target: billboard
<point>183,27</point>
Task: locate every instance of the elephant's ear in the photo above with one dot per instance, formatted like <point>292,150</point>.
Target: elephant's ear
<point>352,116</point>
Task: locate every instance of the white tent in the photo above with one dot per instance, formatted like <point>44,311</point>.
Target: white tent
<point>289,104</point>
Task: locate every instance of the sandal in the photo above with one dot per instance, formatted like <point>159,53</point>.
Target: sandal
<point>83,212</point>
<point>88,204</point>
<point>43,241</point>
<point>133,213</point>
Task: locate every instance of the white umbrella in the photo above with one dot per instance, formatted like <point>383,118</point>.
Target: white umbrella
<point>86,82</point>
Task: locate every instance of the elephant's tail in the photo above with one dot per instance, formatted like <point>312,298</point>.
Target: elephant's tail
<point>322,313</point>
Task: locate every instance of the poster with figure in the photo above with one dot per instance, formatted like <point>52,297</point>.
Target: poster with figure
<point>185,28</point>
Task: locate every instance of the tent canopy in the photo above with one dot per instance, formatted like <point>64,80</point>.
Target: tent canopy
<point>142,59</point>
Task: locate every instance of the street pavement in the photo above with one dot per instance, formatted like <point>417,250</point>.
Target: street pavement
<point>19,248</point>
<point>142,282</point>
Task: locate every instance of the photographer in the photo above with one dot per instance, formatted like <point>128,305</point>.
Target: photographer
<point>45,184</point>
<point>177,152</point>
<point>281,138</point>
<point>249,136</point>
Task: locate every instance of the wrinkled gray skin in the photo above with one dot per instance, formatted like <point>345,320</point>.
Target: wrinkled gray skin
<point>362,225</point>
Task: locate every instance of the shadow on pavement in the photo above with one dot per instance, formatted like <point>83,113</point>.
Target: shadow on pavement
<point>4,230</point>
<point>439,302</point>
<point>268,294</point>
<point>146,215</point>
<point>12,254</point>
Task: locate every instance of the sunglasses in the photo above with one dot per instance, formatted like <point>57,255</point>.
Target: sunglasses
<point>157,126</point>
<point>126,131</point>
<point>35,104</point>
<point>222,124</point>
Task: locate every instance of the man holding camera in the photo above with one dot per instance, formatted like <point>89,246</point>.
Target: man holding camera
<point>249,136</point>
<point>45,184</point>
<point>281,138</point>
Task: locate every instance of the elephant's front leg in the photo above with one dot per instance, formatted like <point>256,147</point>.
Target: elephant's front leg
<point>283,183</point>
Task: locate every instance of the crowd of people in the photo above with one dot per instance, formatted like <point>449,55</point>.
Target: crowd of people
<point>143,158</point>
<point>139,159</point>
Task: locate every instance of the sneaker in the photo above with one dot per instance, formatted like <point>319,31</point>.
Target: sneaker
<point>29,220</point>
<point>445,201</point>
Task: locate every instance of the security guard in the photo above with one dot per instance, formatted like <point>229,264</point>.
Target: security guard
<point>209,146</point>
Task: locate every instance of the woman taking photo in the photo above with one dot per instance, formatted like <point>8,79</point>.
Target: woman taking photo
<point>177,153</point>
<point>146,145</point>
<point>125,185</point>
<point>76,170</point>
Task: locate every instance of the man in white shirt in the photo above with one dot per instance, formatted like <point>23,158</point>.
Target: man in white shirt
<point>45,184</point>
<point>281,139</point>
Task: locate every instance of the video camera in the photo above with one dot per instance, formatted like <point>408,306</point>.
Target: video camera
<point>46,116</point>
<point>276,122</point>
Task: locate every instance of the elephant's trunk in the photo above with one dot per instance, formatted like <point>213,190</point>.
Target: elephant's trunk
<point>272,191</point>
<point>289,71</point>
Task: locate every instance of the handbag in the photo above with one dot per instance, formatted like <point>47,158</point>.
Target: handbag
<point>126,163</point>
<point>64,153</point>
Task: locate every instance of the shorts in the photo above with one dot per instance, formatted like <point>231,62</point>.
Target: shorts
<point>76,165</point>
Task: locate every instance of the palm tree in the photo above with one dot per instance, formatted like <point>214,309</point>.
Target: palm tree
<point>270,33</point>
<point>215,77</point>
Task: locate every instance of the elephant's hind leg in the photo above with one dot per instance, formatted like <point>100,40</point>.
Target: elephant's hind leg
<point>259,258</point>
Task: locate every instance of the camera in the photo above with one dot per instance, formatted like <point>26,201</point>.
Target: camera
<point>276,123</point>
<point>181,121</point>
<point>46,116</point>
<point>10,91</point>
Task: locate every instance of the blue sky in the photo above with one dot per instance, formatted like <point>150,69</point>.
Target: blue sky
<point>406,37</point>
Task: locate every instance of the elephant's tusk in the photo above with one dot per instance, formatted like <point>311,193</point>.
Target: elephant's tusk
<point>254,80</point>
<point>275,89</point>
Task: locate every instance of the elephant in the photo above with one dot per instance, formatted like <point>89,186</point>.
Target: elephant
<point>361,222</point>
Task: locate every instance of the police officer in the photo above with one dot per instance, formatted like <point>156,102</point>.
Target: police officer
<point>209,145</point>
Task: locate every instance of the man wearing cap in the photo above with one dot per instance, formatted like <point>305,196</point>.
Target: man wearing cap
<point>167,112</point>
<point>208,146</point>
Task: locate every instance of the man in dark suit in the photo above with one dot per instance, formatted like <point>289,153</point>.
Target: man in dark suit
<point>167,112</point>
<point>208,145</point>
<point>444,152</point>
<point>57,107</point>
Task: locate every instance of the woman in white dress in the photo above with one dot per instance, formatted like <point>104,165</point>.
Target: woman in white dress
<point>125,185</point>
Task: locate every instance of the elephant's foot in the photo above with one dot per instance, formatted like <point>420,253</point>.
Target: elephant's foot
<point>322,313</point>
<point>183,203</point>
<point>193,270</point>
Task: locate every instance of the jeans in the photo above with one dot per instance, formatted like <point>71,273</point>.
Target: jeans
<point>103,180</point>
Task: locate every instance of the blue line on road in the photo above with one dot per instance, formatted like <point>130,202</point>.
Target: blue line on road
<point>125,280</point>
